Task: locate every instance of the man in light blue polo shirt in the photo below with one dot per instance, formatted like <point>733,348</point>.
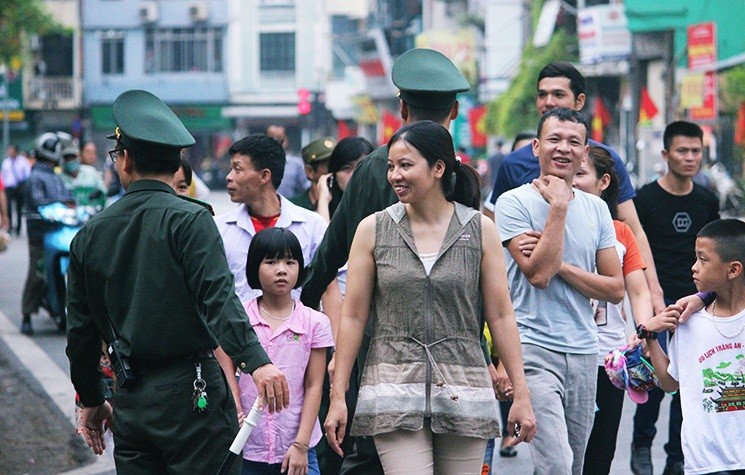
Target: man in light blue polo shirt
<point>551,288</point>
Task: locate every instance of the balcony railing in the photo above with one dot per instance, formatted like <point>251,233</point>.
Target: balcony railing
<point>52,93</point>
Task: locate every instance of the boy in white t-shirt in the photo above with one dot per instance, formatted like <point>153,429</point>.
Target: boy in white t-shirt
<point>707,354</point>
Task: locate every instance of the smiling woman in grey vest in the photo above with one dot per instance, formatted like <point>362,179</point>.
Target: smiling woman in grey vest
<point>423,275</point>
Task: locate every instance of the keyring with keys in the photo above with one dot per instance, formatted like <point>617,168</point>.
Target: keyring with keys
<point>199,399</point>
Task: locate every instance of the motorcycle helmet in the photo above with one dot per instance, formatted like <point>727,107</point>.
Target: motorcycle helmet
<point>46,147</point>
<point>49,146</point>
<point>68,145</point>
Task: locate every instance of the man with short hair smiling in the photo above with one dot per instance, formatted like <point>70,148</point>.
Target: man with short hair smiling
<point>552,287</point>
<point>561,85</point>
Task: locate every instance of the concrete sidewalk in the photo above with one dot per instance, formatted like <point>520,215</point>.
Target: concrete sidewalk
<point>52,380</point>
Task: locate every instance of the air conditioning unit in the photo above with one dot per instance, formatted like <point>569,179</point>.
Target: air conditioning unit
<point>148,12</point>
<point>198,12</point>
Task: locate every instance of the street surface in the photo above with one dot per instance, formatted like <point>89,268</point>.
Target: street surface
<point>49,344</point>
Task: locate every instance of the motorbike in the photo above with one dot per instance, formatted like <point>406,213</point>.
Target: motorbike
<point>730,193</point>
<point>66,223</point>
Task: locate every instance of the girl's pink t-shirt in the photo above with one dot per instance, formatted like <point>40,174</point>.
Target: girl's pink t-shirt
<point>289,349</point>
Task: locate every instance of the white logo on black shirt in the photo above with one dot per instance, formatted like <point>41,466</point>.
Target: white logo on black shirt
<point>682,222</point>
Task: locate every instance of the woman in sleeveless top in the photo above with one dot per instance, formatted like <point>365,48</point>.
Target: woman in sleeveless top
<point>424,274</point>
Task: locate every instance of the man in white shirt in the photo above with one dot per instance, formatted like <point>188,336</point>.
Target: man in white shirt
<point>256,168</point>
<point>15,171</point>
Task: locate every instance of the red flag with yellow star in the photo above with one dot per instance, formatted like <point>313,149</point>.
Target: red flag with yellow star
<point>647,108</point>
<point>390,124</point>
<point>600,120</point>
<point>477,122</point>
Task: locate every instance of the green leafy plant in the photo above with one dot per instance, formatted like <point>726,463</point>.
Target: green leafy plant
<point>514,111</point>
<point>18,20</point>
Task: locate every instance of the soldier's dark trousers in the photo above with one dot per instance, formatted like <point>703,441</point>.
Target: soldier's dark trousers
<point>156,429</point>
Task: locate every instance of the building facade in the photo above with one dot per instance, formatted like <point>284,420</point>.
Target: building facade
<point>174,49</point>
<point>52,77</point>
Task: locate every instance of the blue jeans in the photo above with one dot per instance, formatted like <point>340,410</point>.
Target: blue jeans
<point>259,468</point>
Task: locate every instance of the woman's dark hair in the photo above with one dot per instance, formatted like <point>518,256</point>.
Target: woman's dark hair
<point>273,243</point>
<point>603,163</point>
<point>188,173</point>
<point>433,141</point>
<point>348,150</point>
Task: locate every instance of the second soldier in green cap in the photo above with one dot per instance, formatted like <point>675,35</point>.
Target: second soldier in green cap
<point>316,157</point>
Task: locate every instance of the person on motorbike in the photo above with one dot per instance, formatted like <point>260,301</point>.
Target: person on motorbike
<point>44,186</point>
<point>85,182</point>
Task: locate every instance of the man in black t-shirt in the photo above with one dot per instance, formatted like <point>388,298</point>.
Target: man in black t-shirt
<point>671,210</point>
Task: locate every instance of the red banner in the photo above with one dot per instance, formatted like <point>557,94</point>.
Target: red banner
<point>740,125</point>
<point>702,51</point>
<point>702,44</point>
<point>709,110</point>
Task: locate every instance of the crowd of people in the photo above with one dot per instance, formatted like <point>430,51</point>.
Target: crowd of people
<point>383,321</point>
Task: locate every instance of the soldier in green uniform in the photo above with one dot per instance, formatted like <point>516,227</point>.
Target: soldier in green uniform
<point>316,156</point>
<point>148,275</point>
<point>428,83</point>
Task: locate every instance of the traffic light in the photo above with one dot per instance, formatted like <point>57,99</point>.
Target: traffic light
<point>303,101</point>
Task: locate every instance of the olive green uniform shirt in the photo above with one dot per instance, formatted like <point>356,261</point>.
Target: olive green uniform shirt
<point>303,200</point>
<point>368,191</point>
<point>155,264</point>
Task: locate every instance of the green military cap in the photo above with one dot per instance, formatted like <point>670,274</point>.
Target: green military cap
<point>318,150</point>
<point>146,124</point>
<point>427,79</point>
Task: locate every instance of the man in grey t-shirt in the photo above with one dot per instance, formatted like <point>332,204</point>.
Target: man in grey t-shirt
<point>551,288</point>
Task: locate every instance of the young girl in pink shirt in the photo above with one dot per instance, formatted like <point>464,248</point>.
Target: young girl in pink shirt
<point>296,338</point>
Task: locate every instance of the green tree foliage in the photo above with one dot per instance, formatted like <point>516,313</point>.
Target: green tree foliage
<point>514,111</point>
<point>19,18</point>
<point>733,89</point>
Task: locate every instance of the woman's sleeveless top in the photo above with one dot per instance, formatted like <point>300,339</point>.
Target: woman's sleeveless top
<point>425,358</point>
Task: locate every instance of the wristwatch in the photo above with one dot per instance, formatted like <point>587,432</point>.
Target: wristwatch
<point>643,333</point>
